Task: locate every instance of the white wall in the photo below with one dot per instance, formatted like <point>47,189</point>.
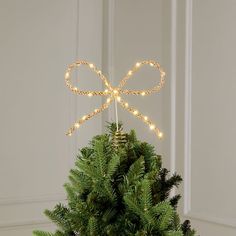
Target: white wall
<point>137,35</point>
<point>38,40</point>
<point>193,41</point>
<point>206,113</point>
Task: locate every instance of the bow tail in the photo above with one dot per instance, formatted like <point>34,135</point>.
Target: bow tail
<point>78,123</point>
<point>142,117</point>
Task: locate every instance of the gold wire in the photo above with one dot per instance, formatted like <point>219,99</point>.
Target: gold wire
<point>114,93</point>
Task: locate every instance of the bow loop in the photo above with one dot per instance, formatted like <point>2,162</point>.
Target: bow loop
<point>76,90</point>
<point>137,67</point>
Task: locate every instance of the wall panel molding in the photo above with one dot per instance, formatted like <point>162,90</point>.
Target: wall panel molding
<point>35,203</point>
<point>32,199</point>
<point>187,98</point>
<point>110,52</point>
<point>28,226</point>
<point>188,212</point>
<point>173,86</point>
<point>23,223</point>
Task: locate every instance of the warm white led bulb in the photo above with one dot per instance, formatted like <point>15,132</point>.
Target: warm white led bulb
<point>84,117</point>
<point>145,118</point>
<point>76,125</point>
<point>67,75</point>
<point>138,64</point>
<point>152,127</point>
<point>106,91</point>
<point>143,93</point>
<point>130,72</point>
<point>135,112</point>
<point>160,135</point>
<point>118,99</point>
<point>91,65</point>
<point>108,100</point>
<point>163,73</point>
<point>90,94</point>
<point>151,64</point>
<point>96,110</point>
<point>126,104</point>
<point>115,91</point>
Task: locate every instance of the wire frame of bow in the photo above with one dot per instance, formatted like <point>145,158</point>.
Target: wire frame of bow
<point>115,93</point>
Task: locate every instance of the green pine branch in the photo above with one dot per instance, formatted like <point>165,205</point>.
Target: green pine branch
<point>42,233</point>
<point>113,165</point>
<point>119,189</point>
<point>146,199</point>
<point>165,214</point>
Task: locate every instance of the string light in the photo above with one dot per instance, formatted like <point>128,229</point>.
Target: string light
<point>138,64</point>
<point>160,135</point>
<point>115,93</point>
<point>163,73</point>
<point>152,127</point>
<point>67,75</point>
<point>76,125</point>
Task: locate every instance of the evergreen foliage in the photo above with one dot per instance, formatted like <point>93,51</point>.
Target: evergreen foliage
<point>119,188</point>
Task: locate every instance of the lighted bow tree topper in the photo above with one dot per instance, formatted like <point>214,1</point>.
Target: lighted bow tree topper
<point>118,185</point>
<point>114,93</point>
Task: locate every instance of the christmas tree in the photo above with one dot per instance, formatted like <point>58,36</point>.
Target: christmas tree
<point>119,187</point>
